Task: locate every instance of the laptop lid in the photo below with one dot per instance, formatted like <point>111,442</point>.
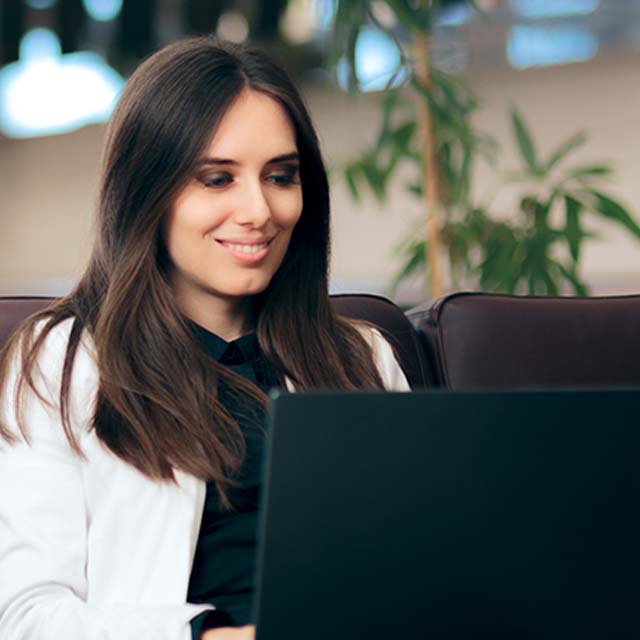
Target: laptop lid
<point>451,515</point>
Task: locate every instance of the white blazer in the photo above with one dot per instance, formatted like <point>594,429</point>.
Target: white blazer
<point>90,548</point>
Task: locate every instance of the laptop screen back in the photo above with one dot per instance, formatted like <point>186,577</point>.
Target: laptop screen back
<point>452,515</point>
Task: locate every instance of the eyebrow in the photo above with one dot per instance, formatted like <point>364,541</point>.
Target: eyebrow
<point>282,158</point>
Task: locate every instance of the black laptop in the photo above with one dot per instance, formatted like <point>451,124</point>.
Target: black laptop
<point>451,515</point>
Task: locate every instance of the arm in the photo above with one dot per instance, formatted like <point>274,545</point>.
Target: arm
<point>43,538</point>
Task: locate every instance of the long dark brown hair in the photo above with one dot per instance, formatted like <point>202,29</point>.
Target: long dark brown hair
<point>155,416</point>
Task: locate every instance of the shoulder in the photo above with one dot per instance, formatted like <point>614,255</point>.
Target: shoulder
<point>54,346</point>
<point>385,359</point>
<point>40,404</point>
<point>52,354</point>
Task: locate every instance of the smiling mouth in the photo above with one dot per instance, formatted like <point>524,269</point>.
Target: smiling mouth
<point>247,252</point>
<point>245,248</point>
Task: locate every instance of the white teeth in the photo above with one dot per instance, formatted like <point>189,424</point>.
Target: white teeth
<point>247,248</point>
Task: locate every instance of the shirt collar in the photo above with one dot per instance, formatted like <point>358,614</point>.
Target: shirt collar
<point>219,349</point>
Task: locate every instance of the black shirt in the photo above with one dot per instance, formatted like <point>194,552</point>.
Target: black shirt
<point>224,564</point>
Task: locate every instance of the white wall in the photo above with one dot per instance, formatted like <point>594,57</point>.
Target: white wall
<point>47,186</point>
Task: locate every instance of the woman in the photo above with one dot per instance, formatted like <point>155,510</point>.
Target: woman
<point>132,408</point>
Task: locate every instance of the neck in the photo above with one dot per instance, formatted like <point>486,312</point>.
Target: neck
<point>228,319</point>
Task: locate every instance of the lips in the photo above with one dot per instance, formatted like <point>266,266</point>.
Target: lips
<point>244,248</point>
<point>248,251</point>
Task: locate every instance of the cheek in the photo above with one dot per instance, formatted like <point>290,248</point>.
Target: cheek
<point>191,216</point>
<point>170,233</point>
<point>288,211</point>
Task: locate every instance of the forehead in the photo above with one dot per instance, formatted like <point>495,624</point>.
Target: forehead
<point>254,126</point>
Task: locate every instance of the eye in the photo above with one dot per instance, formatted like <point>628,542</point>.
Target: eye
<point>216,180</point>
<point>285,176</point>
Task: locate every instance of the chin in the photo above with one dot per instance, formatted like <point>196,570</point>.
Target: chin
<point>248,289</point>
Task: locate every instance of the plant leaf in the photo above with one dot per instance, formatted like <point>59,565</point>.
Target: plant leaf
<point>613,210</point>
<point>350,179</point>
<point>499,256</point>
<point>374,177</point>
<point>579,287</point>
<point>352,40</point>
<point>487,147</point>
<point>403,135</point>
<point>416,258</point>
<point>549,282</point>
<point>564,149</point>
<point>525,142</point>
<point>350,16</point>
<point>456,94</point>
<point>573,232</point>
<point>587,172</point>
<point>388,103</point>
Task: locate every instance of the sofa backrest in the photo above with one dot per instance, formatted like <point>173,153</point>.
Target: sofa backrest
<point>395,326</point>
<point>375,309</point>
<point>14,309</point>
<point>478,340</point>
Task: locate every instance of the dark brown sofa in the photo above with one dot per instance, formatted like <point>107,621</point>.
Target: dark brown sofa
<point>479,340</point>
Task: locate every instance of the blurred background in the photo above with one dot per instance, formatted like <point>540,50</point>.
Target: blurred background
<point>566,65</point>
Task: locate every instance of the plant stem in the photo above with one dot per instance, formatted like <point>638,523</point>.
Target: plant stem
<point>429,175</point>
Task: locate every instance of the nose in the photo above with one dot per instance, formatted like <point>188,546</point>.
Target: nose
<point>253,207</point>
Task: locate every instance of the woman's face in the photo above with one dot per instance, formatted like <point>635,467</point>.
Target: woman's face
<point>228,230</point>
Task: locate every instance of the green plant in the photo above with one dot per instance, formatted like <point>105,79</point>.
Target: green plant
<point>441,118</point>
<point>427,125</point>
<point>537,250</point>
